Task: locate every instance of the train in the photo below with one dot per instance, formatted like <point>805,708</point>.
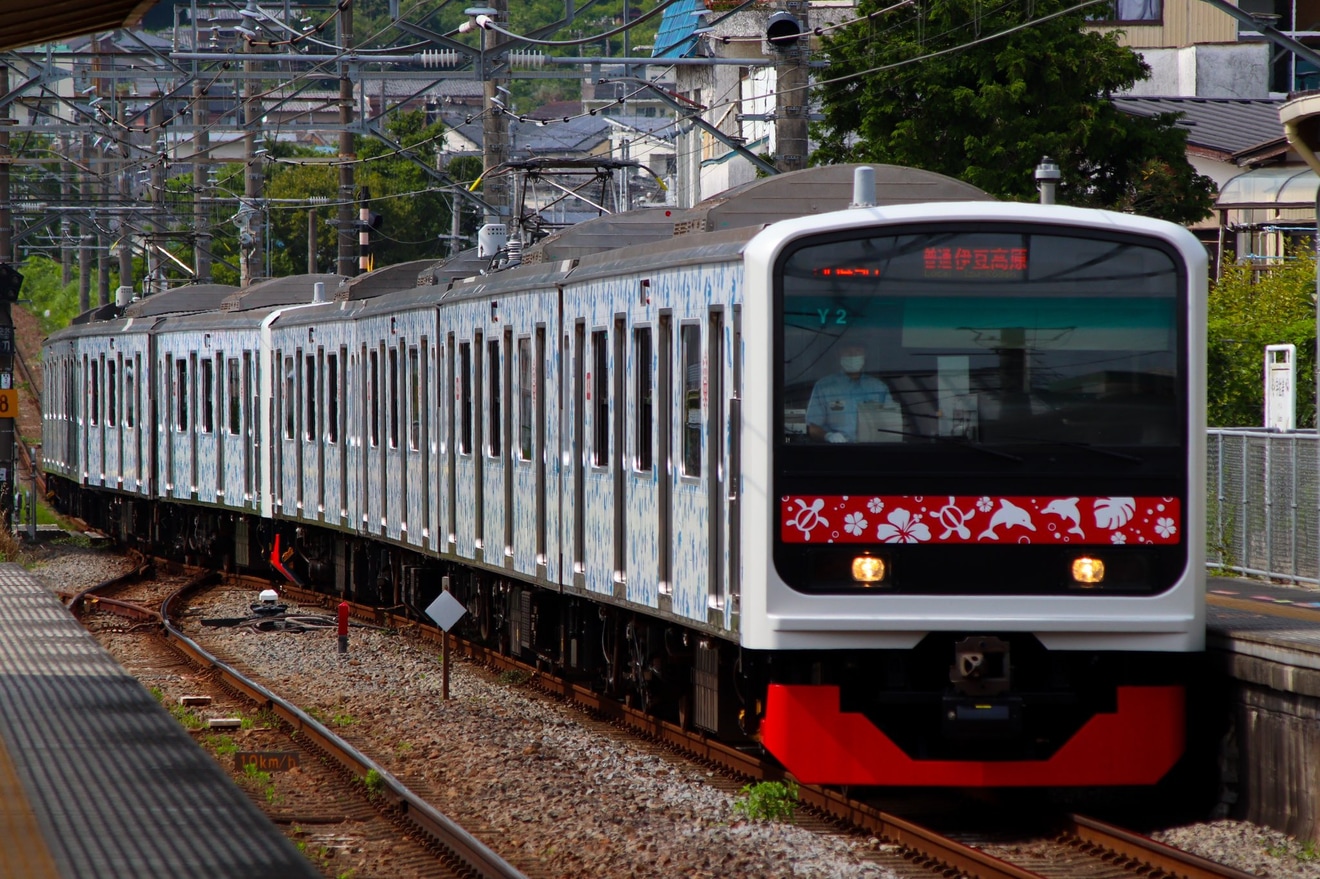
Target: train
<point>898,482</point>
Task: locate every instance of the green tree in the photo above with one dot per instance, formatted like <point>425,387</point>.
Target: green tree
<point>52,301</point>
<point>1248,310</point>
<point>922,91</point>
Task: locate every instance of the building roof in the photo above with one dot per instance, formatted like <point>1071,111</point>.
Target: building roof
<point>24,23</point>
<point>677,36</point>
<point>1224,125</point>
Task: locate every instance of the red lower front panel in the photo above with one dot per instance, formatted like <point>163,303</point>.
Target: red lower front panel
<point>820,744</point>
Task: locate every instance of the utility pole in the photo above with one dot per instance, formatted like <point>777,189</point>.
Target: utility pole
<point>155,282</point>
<point>250,225</point>
<point>495,126</point>
<point>8,396</point>
<point>85,229</point>
<point>201,158</point>
<point>125,227</point>
<point>345,264</point>
<point>787,34</point>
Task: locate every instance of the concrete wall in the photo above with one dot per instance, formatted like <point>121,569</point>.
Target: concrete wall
<point>1221,70</point>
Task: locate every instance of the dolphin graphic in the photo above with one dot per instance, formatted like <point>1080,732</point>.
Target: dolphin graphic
<point>1066,508</point>
<point>1008,515</point>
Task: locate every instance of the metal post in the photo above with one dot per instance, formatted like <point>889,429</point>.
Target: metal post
<point>201,158</point>
<point>346,261</point>
<point>1047,177</point>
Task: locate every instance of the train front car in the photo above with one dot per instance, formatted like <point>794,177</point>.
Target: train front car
<point>982,473</point>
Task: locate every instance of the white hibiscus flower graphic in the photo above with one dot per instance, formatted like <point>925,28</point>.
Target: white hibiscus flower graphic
<point>875,505</point>
<point>984,504</point>
<point>903,527</point>
<point>854,524</point>
<point>1118,537</point>
<point>1165,527</point>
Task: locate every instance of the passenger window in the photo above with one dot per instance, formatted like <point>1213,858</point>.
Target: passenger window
<point>691,415</point>
<point>95,401</point>
<point>642,430</point>
<point>288,397</point>
<point>600,408</point>
<point>526,370</point>
<point>130,394</point>
<point>394,398</point>
<point>181,394</point>
<point>495,418</point>
<point>415,400</point>
<point>373,389</point>
<point>208,396</point>
<point>110,394</point>
<point>235,395</point>
<point>332,398</point>
<point>309,390</point>
<point>465,397</point>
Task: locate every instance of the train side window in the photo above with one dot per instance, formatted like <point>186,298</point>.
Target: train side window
<point>691,364</point>
<point>373,390</point>
<point>332,397</point>
<point>235,396</point>
<point>130,394</point>
<point>414,399</point>
<point>526,371</point>
<point>95,414</point>
<point>111,395</point>
<point>181,394</point>
<point>600,404</point>
<point>394,398</point>
<point>496,418</point>
<point>309,390</point>
<point>645,391</point>
<point>208,396</point>
<point>465,397</point>
<point>288,398</point>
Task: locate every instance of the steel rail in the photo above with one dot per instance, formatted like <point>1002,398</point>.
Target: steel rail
<point>1156,856</point>
<point>474,855</point>
<point>472,852</point>
<point>1146,855</point>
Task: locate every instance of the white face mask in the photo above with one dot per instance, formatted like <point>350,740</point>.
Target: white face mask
<point>852,364</point>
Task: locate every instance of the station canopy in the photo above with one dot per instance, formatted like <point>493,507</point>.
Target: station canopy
<point>26,23</point>
<point>1270,187</point>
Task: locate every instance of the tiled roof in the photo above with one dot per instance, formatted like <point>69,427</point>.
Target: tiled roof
<point>1228,125</point>
<point>676,37</point>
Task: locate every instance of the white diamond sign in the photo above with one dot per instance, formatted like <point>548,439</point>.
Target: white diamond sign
<point>446,610</point>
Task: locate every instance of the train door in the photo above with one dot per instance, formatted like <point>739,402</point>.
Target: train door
<point>420,419</point>
<point>478,449</point>
<point>453,394</point>
<point>539,369</point>
<point>320,425</point>
<point>620,376</point>
<point>116,367</point>
<point>71,415</point>
<point>379,415</point>
<point>304,383</point>
<point>398,458</point>
<point>734,475</point>
<point>339,386</point>
<point>714,394</point>
<point>98,418</point>
<point>167,419</point>
<point>506,446</point>
<point>578,458</point>
<point>192,445</point>
<point>664,454</point>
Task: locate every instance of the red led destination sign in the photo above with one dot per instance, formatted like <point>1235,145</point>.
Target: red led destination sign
<point>974,260</point>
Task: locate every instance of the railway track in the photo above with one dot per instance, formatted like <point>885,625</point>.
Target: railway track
<point>418,836</point>
<point>1073,847</point>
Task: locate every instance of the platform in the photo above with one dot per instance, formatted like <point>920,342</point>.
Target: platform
<point>96,778</point>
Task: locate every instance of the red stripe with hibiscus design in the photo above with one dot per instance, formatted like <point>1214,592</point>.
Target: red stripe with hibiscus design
<point>980,519</point>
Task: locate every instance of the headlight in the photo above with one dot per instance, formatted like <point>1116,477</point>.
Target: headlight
<point>868,569</point>
<point>1088,571</point>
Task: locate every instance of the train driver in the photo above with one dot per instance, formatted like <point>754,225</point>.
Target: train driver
<point>838,399</point>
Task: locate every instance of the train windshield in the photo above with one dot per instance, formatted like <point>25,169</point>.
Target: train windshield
<point>985,338</point>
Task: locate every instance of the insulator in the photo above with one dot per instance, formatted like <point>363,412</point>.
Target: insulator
<point>440,58</point>
<point>526,58</point>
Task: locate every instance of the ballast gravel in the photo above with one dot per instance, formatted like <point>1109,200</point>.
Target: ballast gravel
<point>544,789</point>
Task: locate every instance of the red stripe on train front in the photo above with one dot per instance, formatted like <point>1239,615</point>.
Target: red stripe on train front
<point>820,744</point>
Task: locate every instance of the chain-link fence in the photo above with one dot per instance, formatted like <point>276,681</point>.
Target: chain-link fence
<point>1263,498</point>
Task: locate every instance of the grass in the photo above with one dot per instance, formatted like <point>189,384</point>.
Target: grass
<point>767,801</point>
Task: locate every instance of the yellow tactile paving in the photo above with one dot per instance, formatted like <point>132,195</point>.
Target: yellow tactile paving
<point>23,851</point>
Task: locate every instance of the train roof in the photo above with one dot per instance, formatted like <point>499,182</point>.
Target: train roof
<point>192,297</point>
<point>383,280</point>
<point>293,290</point>
<point>767,200</point>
